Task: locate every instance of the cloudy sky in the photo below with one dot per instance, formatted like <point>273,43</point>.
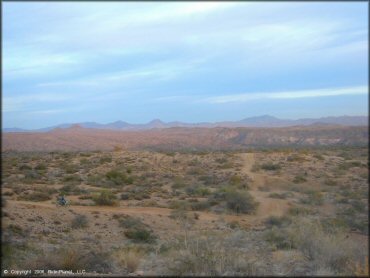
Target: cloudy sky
<point>187,61</point>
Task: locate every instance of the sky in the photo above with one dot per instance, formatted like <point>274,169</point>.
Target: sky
<point>66,62</point>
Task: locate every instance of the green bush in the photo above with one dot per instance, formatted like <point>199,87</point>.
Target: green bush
<point>71,168</point>
<point>136,229</point>
<point>197,190</point>
<point>269,166</point>
<point>80,221</point>
<point>72,179</point>
<point>202,205</point>
<point>241,202</point>
<point>179,204</point>
<point>280,195</point>
<point>41,167</point>
<point>118,178</point>
<point>140,235</point>
<point>313,198</point>
<point>277,221</point>
<point>105,198</point>
<point>279,238</point>
<point>299,179</point>
<point>296,211</point>
<point>24,167</point>
<point>106,159</point>
<point>125,196</point>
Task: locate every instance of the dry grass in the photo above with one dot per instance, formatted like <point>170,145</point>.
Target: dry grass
<point>129,258</point>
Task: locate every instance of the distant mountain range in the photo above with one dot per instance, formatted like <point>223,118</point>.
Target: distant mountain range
<point>260,121</point>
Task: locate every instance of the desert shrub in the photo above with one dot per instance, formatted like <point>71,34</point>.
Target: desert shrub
<point>313,198</point>
<point>318,156</point>
<point>71,188</point>
<point>118,177</point>
<point>71,168</point>
<point>195,171</point>
<point>331,250</point>
<point>72,179</point>
<point>348,165</point>
<point>330,182</point>
<point>211,256</point>
<point>256,167</point>
<point>277,221</point>
<point>79,222</point>
<point>85,197</point>
<point>264,188</point>
<point>280,195</point>
<point>299,179</point>
<point>333,224</point>
<point>31,176</point>
<point>105,198</point>
<point>296,211</point>
<point>197,190</point>
<point>36,196</point>
<point>105,159</point>
<point>16,229</point>
<point>241,202</point>
<point>136,230</point>
<point>140,235</point>
<point>24,167</point>
<point>221,160</point>
<point>358,206</point>
<point>125,196</point>
<point>129,257</point>
<point>296,158</point>
<point>179,204</point>
<point>278,238</point>
<point>202,205</point>
<point>96,180</point>
<point>269,166</point>
<point>41,167</point>
<point>210,179</point>
<point>178,184</point>
<point>84,161</point>
<point>129,222</point>
<point>72,258</point>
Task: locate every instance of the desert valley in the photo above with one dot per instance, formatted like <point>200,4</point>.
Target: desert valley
<point>188,201</point>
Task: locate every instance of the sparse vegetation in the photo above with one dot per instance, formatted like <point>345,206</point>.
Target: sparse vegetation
<point>183,213</point>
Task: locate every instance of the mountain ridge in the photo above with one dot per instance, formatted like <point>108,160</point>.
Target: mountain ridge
<point>257,121</point>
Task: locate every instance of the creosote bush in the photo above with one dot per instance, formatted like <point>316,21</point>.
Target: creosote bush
<point>80,221</point>
<point>241,202</point>
<point>105,198</point>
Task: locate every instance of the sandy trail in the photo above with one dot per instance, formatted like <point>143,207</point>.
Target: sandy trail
<point>248,162</point>
<point>268,206</point>
<point>153,211</point>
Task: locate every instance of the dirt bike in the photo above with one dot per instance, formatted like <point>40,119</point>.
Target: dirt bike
<point>61,203</point>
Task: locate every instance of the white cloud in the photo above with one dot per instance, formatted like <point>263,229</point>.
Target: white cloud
<point>356,90</point>
<point>161,71</point>
<point>23,102</point>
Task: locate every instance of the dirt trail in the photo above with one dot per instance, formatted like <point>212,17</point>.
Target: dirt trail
<point>257,179</point>
<point>154,211</point>
<point>268,206</point>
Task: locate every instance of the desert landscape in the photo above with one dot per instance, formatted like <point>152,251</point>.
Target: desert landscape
<point>295,209</point>
<point>185,139</point>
